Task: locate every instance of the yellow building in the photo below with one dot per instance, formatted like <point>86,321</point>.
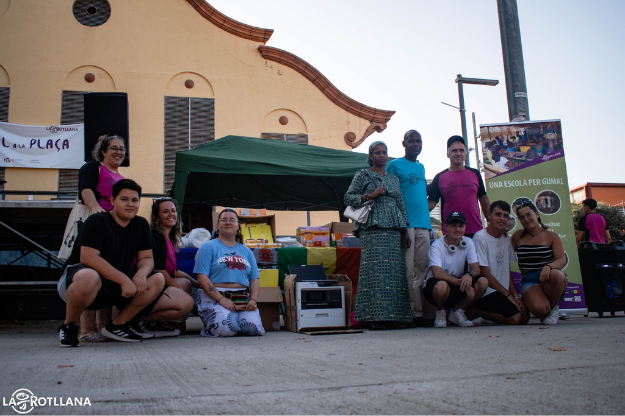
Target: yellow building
<point>179,61</point>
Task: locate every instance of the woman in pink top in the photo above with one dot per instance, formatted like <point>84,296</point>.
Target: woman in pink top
<point>96,178</point>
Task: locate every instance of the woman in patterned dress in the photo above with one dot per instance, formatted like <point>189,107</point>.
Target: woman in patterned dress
<point>382,299</point>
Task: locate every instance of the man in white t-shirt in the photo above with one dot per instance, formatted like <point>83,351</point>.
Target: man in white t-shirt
<point>446,283</point>
<point>501,302</point>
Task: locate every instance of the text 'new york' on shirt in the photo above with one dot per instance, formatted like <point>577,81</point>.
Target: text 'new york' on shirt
<point>226,264</point>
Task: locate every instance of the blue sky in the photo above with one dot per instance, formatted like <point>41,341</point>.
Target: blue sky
<point>404,55</point>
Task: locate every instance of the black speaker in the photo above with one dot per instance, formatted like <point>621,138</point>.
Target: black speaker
<point>603,276</point>
<point>106,113</point>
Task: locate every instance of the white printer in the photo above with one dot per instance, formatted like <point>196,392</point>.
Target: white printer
<point>320,303</point>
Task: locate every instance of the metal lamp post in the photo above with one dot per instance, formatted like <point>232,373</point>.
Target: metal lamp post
<point>463,120</point>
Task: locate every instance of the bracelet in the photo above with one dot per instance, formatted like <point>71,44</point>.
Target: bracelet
<point>253,299</point>
<point>517,297</point>
<point>218,300</point>
<point>549,265</point>
<point>366,197</point>
<point>509,294</point>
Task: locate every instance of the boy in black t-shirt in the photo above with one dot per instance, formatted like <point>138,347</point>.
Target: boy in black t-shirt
<point>97,273</point>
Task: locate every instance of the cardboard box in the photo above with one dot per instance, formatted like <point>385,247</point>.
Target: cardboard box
<point>269,299</point>
<point>313,236</point>
<point>341,227</point>
<point>291,304</point>
<point>263,219</point>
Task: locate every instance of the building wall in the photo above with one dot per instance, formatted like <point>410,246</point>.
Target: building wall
<point>148,49</point>
<point>613,195</point>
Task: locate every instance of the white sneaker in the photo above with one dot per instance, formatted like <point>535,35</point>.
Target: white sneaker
<point>441,319</point>
<point>457,316</point>
<point>552,317</point>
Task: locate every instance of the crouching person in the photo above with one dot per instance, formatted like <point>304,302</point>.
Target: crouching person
<point>447,285</point>
<point>229,279</point>
<point>501,303</point>
<point>97,275</point>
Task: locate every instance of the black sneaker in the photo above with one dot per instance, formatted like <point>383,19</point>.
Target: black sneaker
<point>138,327</point>
<point>68,333</point>
<point>120,332</point>
<point>161,329</point>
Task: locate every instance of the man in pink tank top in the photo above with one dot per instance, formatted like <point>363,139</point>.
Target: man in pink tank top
<point>460,189</point>
<point>592,226</point>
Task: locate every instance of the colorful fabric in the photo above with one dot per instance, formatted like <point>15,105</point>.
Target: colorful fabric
<point>334,260</point>
<point>389,210</point>
<point>382,290</point>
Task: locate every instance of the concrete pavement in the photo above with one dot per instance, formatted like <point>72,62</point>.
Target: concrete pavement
<point>484,369</point>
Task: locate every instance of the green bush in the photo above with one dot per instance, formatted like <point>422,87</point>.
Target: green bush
<point>613,216</point>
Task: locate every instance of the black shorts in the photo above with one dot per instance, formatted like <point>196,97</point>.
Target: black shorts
<point>110,293</point>
<point>455,294</point>
<point>496,302</point>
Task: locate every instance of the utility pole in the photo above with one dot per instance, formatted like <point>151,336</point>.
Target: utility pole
<point>513,65</point>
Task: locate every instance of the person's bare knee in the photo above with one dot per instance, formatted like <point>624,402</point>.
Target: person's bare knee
<point>156,282</point>
<point>85,281</point>
<point>441,291</point>
<point>480,287</point>
<point>184,285</point>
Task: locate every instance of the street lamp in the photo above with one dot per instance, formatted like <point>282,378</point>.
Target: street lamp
<point>477,81</point>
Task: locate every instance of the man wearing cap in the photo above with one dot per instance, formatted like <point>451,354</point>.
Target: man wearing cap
<point>460,188</point>
<point>413,184</point>
<point>446,284</point>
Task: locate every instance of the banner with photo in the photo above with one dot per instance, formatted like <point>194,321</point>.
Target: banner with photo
<point>50,147</point>
<point>524,161</point>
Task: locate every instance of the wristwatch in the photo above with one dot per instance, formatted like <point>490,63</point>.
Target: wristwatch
<point>470,272</point>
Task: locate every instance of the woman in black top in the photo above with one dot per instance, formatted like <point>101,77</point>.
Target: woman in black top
<point>541,257</point>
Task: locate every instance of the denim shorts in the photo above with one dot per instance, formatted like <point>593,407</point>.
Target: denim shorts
<point>530,279</point>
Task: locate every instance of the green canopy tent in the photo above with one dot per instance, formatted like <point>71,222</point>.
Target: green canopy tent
<point>247,172</point>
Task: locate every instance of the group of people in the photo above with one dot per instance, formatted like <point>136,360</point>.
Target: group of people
<point>467,271</point>
<point>120,260</point>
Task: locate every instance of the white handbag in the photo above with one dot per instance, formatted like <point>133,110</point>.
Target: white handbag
<point>361,213</point>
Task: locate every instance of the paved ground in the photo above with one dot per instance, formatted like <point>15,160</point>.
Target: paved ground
<point>485,369</point>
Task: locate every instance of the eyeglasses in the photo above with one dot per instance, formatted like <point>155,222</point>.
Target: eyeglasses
<point>116,149</point>
<point>228,220</point>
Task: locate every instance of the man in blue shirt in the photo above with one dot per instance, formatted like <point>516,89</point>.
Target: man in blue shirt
<point>413,184</point>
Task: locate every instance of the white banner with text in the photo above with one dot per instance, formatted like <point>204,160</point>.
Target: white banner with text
<point>49,147</point>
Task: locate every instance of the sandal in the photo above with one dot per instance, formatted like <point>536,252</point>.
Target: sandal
<point>95,337</point>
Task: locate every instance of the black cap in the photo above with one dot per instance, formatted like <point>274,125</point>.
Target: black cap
<point>456,216</point>
<point>454,139</point>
